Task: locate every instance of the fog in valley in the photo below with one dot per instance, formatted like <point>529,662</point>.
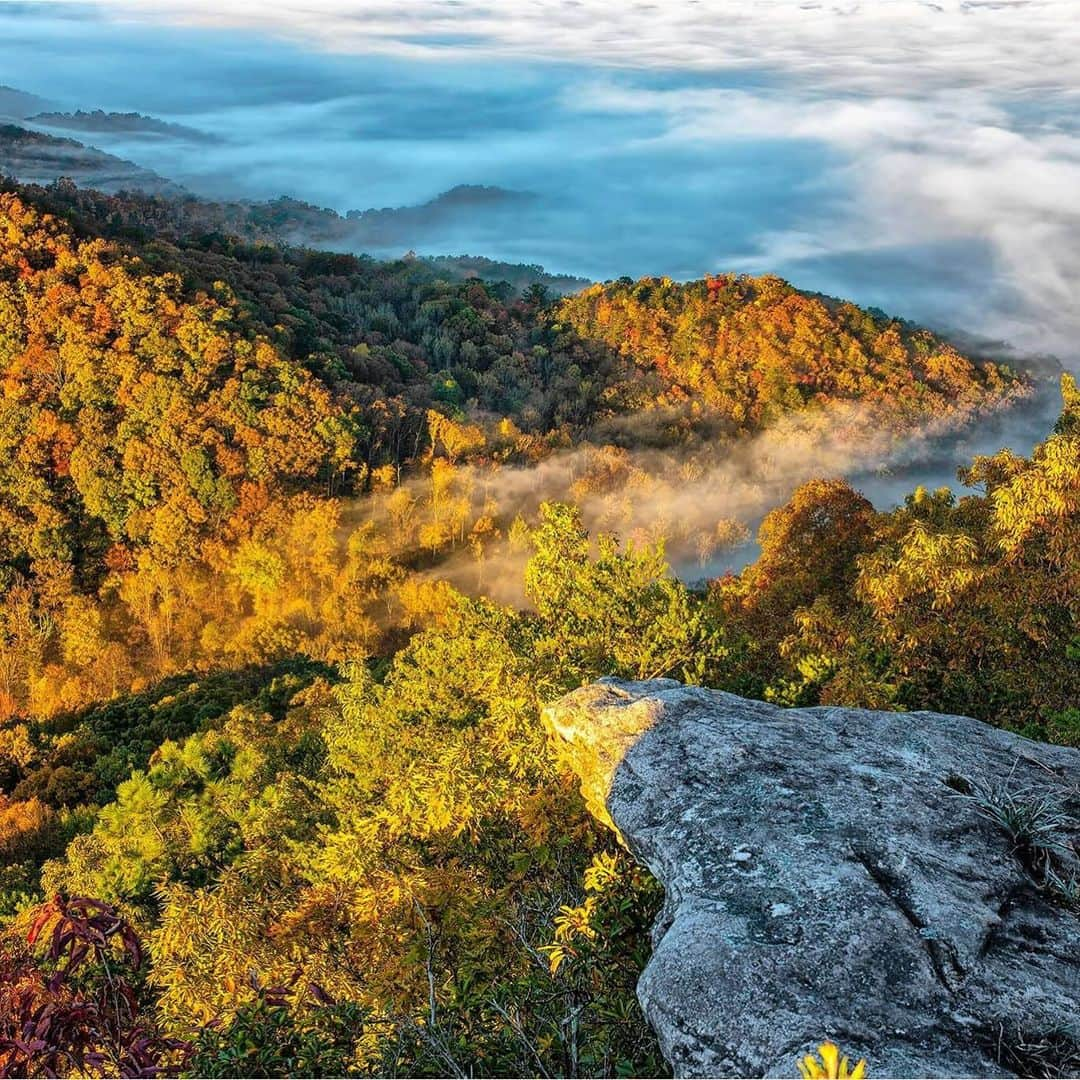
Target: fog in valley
<point>597,150</point>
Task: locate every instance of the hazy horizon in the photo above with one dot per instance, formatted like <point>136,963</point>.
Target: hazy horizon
<point>921,158</point>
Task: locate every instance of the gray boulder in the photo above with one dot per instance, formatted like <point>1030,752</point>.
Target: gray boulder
<point>829,874</point>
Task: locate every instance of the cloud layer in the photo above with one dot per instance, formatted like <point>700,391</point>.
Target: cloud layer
<point>922,157</point>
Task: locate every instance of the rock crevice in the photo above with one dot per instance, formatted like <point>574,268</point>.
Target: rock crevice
<point>826,875</point>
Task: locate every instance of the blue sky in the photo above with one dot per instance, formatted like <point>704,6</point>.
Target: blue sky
<point>924,158</point>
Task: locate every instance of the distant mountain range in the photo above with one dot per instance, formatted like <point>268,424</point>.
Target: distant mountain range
<point>18,105</point>
<point>132,123</point>
<point>36,157</point>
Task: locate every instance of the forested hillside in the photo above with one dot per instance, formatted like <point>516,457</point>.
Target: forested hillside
<point>136,215</point>
<point>36,157</point>
<point>275,795</point>
<point>750,348</point>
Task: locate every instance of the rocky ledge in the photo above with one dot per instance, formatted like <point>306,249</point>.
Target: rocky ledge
<point>896,882</point>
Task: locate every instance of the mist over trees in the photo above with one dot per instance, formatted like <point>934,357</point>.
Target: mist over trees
<point>261,700</point>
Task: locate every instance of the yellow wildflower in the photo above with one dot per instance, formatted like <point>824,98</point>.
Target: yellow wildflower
<point>831,1066</point>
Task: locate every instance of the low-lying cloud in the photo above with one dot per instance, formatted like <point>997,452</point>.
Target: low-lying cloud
<point>920,157</point>
<point>923,157</point>
<point>706,505</point>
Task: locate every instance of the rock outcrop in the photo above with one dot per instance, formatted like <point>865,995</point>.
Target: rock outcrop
<point>839,873</point>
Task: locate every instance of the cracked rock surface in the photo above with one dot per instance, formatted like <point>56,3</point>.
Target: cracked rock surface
<point>825,877</point>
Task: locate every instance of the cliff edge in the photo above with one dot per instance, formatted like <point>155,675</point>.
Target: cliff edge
<point>896,882</point>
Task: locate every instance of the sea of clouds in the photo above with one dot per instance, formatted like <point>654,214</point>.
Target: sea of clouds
<point>921,157</point>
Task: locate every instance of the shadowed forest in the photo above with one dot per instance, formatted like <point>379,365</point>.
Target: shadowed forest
<point>293,547</point>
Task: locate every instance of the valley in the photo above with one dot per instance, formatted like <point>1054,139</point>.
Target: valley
<point>469,608</point>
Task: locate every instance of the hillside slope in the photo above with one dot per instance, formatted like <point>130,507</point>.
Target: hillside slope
<point>37,158</point>
<point>284,781</point>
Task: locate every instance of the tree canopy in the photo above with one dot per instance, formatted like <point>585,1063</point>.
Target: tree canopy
<point>295,545</point>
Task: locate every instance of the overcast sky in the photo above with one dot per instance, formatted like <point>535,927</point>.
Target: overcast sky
<point>921,157</point>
